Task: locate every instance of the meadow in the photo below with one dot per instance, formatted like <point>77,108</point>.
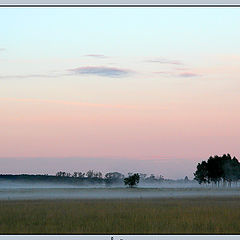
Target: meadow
<point>211,215</point>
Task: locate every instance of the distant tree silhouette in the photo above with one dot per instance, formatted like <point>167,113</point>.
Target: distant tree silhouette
<point>231,169</point>
<point>218,169</point>
<point>132,180</point>
<point>201,175</point>
<point>68,174</point>
<point>186,179</point>
<point>75,175</point>
<point>113,177</point>
<point>151,179</point>
<point>97,174</point>
<point>81,175</point>
<point>63,174</point>
<point>90,174</point>
<point>142,176</point>
<point>161,178</point>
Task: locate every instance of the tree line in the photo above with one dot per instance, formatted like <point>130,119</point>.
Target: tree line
<point>112,177</point>
<point>219,170</point>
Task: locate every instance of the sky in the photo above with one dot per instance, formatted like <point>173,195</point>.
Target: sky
<point>152,90</point>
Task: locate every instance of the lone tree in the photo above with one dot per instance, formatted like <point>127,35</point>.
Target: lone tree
<point>132,180</point>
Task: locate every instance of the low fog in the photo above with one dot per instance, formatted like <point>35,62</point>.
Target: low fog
<point>30,185</point>
<point>10,190</point>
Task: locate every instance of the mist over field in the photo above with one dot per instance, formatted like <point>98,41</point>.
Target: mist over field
<point>37,185</point>
<point>114,193</point>
<point>10,190</point>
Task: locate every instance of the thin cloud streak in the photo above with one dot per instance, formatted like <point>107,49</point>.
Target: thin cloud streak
<point>188,75</point>
<point>101,71</point>
<point>181,75</point>
<point>96,55</point>
<point>28,76</point>
<point>88,70</point>
<point>165,61</point>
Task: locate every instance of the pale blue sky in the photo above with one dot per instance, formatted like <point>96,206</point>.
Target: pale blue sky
<point>43,32</point>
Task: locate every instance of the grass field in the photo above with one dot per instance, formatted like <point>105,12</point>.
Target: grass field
<point>213,215</point>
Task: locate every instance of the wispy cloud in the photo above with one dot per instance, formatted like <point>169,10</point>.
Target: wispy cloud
<point>188,75</point>
<point>101,71</point>
<point>165,61</point>
<point>88,70</point>
<point>181,75</point>
<point>96,55</point>
<point>28,76</point>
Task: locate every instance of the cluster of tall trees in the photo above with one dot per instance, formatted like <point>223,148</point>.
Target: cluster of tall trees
<point>219,170</point>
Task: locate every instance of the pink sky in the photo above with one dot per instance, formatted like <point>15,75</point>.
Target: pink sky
<point>190,131</point>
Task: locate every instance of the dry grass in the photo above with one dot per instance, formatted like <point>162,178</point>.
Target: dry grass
<point>135,216</point>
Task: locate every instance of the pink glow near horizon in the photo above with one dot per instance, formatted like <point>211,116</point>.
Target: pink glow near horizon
<point>54,129</point>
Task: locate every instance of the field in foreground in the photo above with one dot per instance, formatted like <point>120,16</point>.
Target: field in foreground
<point>214,215</point>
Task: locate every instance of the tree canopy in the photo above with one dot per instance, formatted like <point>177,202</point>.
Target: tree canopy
<point>218,169</point>
<point>132,180</point>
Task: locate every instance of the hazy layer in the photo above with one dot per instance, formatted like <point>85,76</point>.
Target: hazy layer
<point>21,184</point>
<point>59,191</point>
